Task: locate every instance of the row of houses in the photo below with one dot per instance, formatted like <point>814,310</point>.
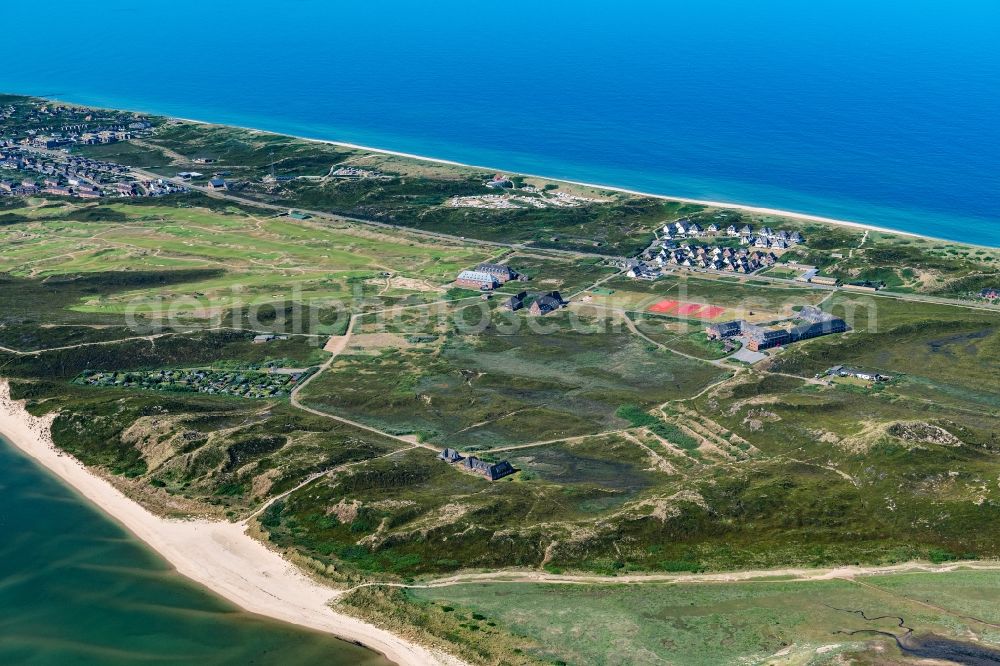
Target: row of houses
<point>64,175</point>
<point>643,271</point>
<point>75,136</point>
<point>49,125</point>
<point>104,136</point>
<point>766,243</point>
<point>489,471</point>
<point>541,304</point>
<point>24,159</point>
<point>812,323</point>
<point>50,120</point>
<point>715,258</point>
<point>766,236</point>
<point>78,188</point>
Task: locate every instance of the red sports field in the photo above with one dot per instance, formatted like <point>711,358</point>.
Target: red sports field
<point>663,306</point>
<point>710,311</point>
<point>687,309</point>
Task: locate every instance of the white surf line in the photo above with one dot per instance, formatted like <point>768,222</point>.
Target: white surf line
<point>763,210</point>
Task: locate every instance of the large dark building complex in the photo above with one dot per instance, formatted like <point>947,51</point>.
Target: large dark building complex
<point>814,323</point>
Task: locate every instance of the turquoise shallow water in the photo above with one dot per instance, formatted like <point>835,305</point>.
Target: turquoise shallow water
<point>75,588</point>
<point>881,112</point>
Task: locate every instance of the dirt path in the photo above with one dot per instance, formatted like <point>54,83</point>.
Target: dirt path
<point>595,285</point>
<point>149,175</point>
<point>151,337</point>
<point>864,238</point>
<point>172,154</point>
<point>635,329</point>
<point>319,475</point>
<point>529,445</point>
<point>759,575</point>
<point>36,352</point>
<point>336,346</point>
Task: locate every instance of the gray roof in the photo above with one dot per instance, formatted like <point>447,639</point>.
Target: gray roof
<point>729,327</point>
<point>477,276</point>
<point>548,302</point>
<point>450,455</point>
<point>491,471</point>
<point>495,269</point>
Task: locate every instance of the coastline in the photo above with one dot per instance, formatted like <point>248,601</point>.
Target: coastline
<point>762,210</point>
<point>805,217</point>
<point>217,555</point>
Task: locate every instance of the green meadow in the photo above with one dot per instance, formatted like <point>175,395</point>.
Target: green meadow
<point>710,623</point>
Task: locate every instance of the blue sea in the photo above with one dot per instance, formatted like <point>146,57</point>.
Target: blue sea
<point>882,112</point>
<point>78,590</point>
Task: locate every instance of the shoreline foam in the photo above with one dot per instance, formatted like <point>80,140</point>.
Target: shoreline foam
<point>763,210</point>
<point>805,217</point>
<point>217,555</point>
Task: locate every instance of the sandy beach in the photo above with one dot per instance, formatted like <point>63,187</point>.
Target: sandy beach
<point>762,210</point>
<point>217,555</point>
<point>805,217</point>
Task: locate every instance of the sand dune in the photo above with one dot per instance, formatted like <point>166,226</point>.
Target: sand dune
<point>218,555</point>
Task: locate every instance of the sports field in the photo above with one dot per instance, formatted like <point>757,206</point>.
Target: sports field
<point>683,309</point>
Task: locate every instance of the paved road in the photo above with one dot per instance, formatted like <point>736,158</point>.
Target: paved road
<point>226,195</point>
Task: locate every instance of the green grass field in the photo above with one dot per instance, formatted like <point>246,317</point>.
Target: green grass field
<point>256,259</point>
<point>490,388</point>
<point>758,622</point>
